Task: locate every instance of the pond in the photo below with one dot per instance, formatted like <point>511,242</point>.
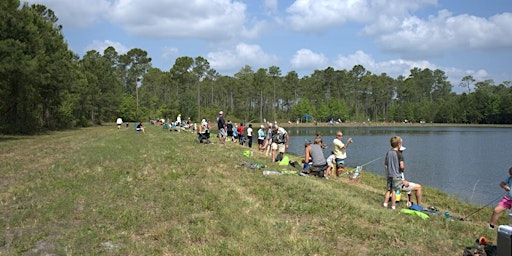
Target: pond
<point>467,162</point>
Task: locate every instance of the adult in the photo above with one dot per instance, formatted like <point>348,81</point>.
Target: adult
<point>241,133</point>
<point>280,142</point>
<point>340,152</point>
<point>261,137</point>
<point>267,146</point>
<point>178,120</point>
<point>229,127</point>
<point>394,165</point>
<point>221,125</point>
<point>249,135</point>
<point>506,201</point>
<point>140,128</point>
<point>314,157</point>
<point>410,187</point>
<point>119,122</point>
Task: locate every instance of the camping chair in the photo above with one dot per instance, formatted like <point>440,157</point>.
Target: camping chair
<point>355,175</point>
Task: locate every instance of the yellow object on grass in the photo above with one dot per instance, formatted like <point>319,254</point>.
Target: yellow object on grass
<point>417,213</point>
<point>285,161</point>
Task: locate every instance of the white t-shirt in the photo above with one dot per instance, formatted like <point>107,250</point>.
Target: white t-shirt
<point>249,132</point>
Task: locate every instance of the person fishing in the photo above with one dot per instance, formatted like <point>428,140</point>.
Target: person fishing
<point>506,201</point>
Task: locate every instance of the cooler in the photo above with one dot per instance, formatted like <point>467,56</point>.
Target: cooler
<point>504,240</point>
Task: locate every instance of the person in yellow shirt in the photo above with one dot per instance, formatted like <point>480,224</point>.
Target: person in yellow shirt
<point>340,152</point>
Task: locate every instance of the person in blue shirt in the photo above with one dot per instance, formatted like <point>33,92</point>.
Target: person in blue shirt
<point>506,201</point>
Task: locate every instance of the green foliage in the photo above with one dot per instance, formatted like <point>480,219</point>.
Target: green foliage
<point>45,85</point>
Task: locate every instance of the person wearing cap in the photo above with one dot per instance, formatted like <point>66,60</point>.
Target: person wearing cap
<point>394,165</point>
<point>340,152</point>
<point>410,187</point>
<point>280,142</point>
<point>261,137</point>
<point>221,125</point>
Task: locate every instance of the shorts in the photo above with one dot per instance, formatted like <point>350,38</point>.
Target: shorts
<point>340,163</point>
<point>222,133</point>
<point>506,202</point>
<point>230,133</point>
<point>408,189</point>
<point>260,141</point>
<point>279,147</point>
<point>330,164</point>
<point>393,183</point>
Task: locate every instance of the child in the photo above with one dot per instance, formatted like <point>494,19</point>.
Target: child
<point>506,202</point>
<point>330,164</point>
<point>394,164</point>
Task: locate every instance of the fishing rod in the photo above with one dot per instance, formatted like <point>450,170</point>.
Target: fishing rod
<point>371,161</point>
<point>484,206</point>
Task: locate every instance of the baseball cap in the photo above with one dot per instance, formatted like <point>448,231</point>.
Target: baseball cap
<point>221,113</point>
<point>402,148</point>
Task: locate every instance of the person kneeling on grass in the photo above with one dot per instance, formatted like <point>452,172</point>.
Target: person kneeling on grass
<point>313,153</point>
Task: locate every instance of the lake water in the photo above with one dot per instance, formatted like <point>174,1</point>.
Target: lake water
<point>467,162</point>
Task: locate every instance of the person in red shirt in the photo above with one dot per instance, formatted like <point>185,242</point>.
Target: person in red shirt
<point>241,133</point>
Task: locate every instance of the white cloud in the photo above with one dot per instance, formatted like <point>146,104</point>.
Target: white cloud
<point>100,46</point>
<point>76,13</point>
<point>217,20</point>
<point>241,55</point>
<point>319,15</point>
<point>416,37</point>
<point>305,59</point>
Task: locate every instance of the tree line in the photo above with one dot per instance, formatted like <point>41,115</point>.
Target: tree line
<point>45,86</point>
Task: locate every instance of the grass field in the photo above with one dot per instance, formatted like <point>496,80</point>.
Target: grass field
<point>103,191</point>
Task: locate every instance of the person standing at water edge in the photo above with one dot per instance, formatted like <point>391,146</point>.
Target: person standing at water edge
<point>394,164</point>
<point>506,201</point>
<point>221,124</point>
<point>249,136</point>
<point>340,152</point>
<point>280,142</point>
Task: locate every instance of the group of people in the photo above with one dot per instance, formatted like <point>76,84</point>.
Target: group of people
<point>395,181</point>
<point>316,164</point>
<point>274,141</point>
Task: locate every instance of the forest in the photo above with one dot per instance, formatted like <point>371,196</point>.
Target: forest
<point>45,86</point>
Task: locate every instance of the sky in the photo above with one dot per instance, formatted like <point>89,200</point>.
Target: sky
<point>468,37</point>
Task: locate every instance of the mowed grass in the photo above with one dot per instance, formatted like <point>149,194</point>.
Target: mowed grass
<point>103,191</point>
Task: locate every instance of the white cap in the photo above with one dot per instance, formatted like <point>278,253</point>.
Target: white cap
<point>402,148</point>
<point>221,113</point>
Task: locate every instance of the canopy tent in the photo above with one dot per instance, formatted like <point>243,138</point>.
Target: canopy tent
<point>306,118</point>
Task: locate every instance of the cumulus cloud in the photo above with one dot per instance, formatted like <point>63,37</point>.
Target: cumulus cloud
<point>243,54</point>
<point>100,46</point>
<point>307,59</point>
<point>444,32</point>
<point>318,15</point>
<point>76,13</point>
<point>214,20</point>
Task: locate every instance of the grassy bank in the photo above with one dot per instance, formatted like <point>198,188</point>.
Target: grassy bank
<point>103,191</point>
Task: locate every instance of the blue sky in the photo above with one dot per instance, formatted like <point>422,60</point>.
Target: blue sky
<point>472,37</point>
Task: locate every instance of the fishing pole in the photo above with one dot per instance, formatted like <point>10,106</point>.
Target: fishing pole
<point>484,206</point>
<point>371,161</point>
